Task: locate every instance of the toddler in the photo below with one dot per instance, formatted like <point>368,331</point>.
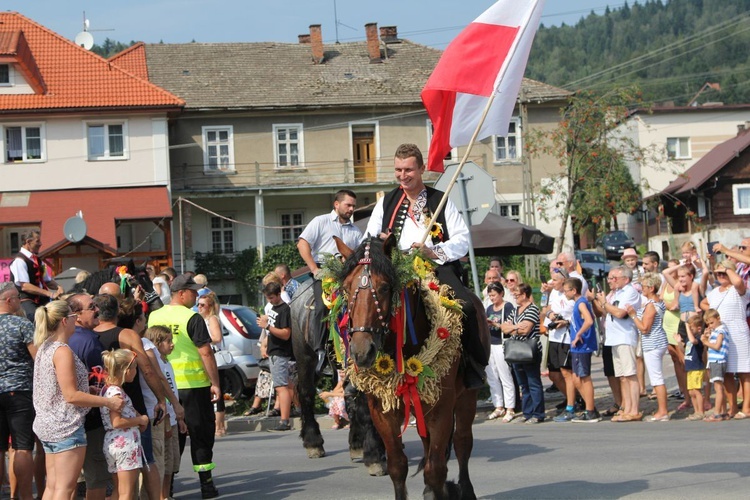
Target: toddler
<point>694,365</point>
<point>715,338</point>
<point>122,440</point>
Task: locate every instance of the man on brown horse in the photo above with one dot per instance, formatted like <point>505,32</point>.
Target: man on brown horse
<point>407,212</point>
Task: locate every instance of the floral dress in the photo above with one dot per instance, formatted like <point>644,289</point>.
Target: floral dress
<point>122,447</point>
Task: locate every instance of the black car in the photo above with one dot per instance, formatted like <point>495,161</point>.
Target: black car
<point>613,243</point>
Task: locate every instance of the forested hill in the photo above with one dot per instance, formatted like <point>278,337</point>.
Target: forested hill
<point>669,48</point>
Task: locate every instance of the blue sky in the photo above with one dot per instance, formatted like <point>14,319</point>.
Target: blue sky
<point>430,22</point>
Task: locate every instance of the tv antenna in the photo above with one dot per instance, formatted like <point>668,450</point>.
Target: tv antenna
<point>337,22</point>
<point>85,39</point>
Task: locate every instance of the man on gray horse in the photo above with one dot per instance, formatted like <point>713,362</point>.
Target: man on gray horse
<point>407,212</point>
<point>316,240</point>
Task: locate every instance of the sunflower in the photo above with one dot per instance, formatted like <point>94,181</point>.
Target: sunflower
<point>384,364</point>
<point>436,231</point>
<point>414,366</point>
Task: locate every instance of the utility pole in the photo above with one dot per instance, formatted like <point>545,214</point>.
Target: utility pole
<point>529,214</point>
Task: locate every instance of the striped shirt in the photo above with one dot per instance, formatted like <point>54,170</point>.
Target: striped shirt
<point>719,356</point>
<point>657,337</point>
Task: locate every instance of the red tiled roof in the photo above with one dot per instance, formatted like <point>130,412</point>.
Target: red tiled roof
<point>100,207</point>
<point>132,60</point>
<point>76,78</point>
<point>709,165</point>
<point>14,49</point>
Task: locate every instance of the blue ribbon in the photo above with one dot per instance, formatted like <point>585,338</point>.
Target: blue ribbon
<point>409,320</point>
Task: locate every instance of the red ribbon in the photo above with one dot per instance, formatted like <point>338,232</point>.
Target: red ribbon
<point>397,326</point>
<point>98,376</point>
<point>407,390</point>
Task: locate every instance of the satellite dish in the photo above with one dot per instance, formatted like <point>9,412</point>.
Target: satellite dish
<point>84,39</point>
<point>74,229</point>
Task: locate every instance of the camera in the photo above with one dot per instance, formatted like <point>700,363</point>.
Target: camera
<point>556,322</point>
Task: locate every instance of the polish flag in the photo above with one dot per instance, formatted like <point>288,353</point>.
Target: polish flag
<point>488,56</point>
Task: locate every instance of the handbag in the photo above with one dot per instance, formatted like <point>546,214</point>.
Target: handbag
<point>520,349</point>
<point>223,358</point>
<point>264,364</point>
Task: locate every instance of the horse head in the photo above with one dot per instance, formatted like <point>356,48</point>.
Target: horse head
<point>367,279</point>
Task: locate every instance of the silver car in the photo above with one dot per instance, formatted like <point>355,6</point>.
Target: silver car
<point>241,337</point>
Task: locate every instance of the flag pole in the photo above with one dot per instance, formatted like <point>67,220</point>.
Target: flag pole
<point>465,158</point>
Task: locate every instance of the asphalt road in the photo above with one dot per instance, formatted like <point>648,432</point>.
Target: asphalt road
<point>677,459</point>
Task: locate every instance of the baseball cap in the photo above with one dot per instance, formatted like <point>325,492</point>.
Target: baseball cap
<point>184,282</point>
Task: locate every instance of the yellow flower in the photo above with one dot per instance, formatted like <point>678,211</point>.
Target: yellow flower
<point>414,366</point>
<point>421,267</point>
<point>450,304</point>
<point>436,230</point>
<point>384,364</point>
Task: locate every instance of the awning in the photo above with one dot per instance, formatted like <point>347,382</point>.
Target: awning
<point>101,208</point>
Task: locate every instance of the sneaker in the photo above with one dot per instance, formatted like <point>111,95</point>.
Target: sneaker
<point>552,389</point>
<point>588,417</point>
<point>677,395</point>
<point>566,416</point>
<point>533,420</point>
<point>282,427</point>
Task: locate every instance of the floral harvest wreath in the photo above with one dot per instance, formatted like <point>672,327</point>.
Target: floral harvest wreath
<point>425,370</point>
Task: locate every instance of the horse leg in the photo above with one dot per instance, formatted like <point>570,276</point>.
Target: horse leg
<point>463,439</point>
<point>439,430</point>
<point>312,440</point>
<point>364,441</point>
<point>388,426</point>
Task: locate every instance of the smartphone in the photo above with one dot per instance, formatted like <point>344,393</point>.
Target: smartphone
<point>710,248</point>
<point>598,288</point>
<point>158,416</point>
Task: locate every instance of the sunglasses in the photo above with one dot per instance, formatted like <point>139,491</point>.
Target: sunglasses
<point>135,355</point>
<point>510,280</point>
<point>742,248</point>
<point>202,305</point>
<point>720,273</point>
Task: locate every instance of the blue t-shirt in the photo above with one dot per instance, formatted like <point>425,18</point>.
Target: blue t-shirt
<point>496,335</point>
<point>719,355</point>
<point>588,337</point>
<point>694,356</point>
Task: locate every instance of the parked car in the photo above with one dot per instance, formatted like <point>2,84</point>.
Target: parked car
<point>593,264</point>
<point>613,243</point>
<point>241,336</point>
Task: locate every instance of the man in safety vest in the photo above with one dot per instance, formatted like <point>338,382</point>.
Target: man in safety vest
<point>196,375</point>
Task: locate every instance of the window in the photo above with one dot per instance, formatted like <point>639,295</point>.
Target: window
<point>222,235</point>
<point>509,147</point>
<point>511,211</point>
<point>294,221</point>
<point>4,74</point>
<point>741,199</point>
<point>24,143</point>
<point>452,154</point>
<point>678,148</point>
<point>218,149</point>
<point>287,140</point>
<point>107,141</point>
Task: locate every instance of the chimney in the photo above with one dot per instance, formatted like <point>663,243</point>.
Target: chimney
<point>304,38</point>
<point>743,128</point>
<point>373,44</point>
<point>316,39</point>
<point>389,34</point>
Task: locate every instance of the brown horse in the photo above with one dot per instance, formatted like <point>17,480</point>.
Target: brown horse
<point>368,279</point>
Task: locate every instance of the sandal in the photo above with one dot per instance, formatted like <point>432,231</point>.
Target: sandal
<point>684,406</point>
<point>509,416</point>
<point>612,411</point>
<point>714,418</point>
<point>695,416</point>
<point>252,411</point>
<point>499,412</point>
<point>652,418</point>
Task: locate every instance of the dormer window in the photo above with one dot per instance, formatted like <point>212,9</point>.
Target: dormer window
<point>4,74</point>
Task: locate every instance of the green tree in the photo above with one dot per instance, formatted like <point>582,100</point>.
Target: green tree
<point>594,183</point>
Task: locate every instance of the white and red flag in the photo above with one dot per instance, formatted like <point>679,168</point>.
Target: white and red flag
<point>487,57</point>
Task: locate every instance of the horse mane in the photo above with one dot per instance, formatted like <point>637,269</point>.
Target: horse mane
<point>93,283</point>
<point>381,263</point>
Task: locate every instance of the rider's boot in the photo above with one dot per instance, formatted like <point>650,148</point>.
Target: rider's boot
<point>474,373</point>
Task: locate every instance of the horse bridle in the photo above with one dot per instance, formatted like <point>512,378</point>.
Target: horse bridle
<point>365,282</point>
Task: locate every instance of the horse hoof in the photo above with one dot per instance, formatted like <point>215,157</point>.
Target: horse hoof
<point>376,469</point>
<point>356,454</point>
<point>316,452</point>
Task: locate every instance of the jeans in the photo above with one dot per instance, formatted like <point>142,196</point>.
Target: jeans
<point>530,379</point>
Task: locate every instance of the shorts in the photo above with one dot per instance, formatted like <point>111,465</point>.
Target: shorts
<point>95,470</point>
<point>280,370</point>
<point>75,440</point>
<point>695,380</point>
<point>172,452</point>
<point>558,356</point>
<point>607,361</point>
<point>718,370</point>
<point>581,364</point>
<point>16,419</point>
<point>623,359</point>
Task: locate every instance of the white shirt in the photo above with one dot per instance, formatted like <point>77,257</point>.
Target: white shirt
<point>457,245</point>
<point>168,371</point>
<point>622,331</point>
<point>584,285</point>
<point>559,304</point>
<point>21,272</point>
<point>320,231</point>
<point>149,399</point>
